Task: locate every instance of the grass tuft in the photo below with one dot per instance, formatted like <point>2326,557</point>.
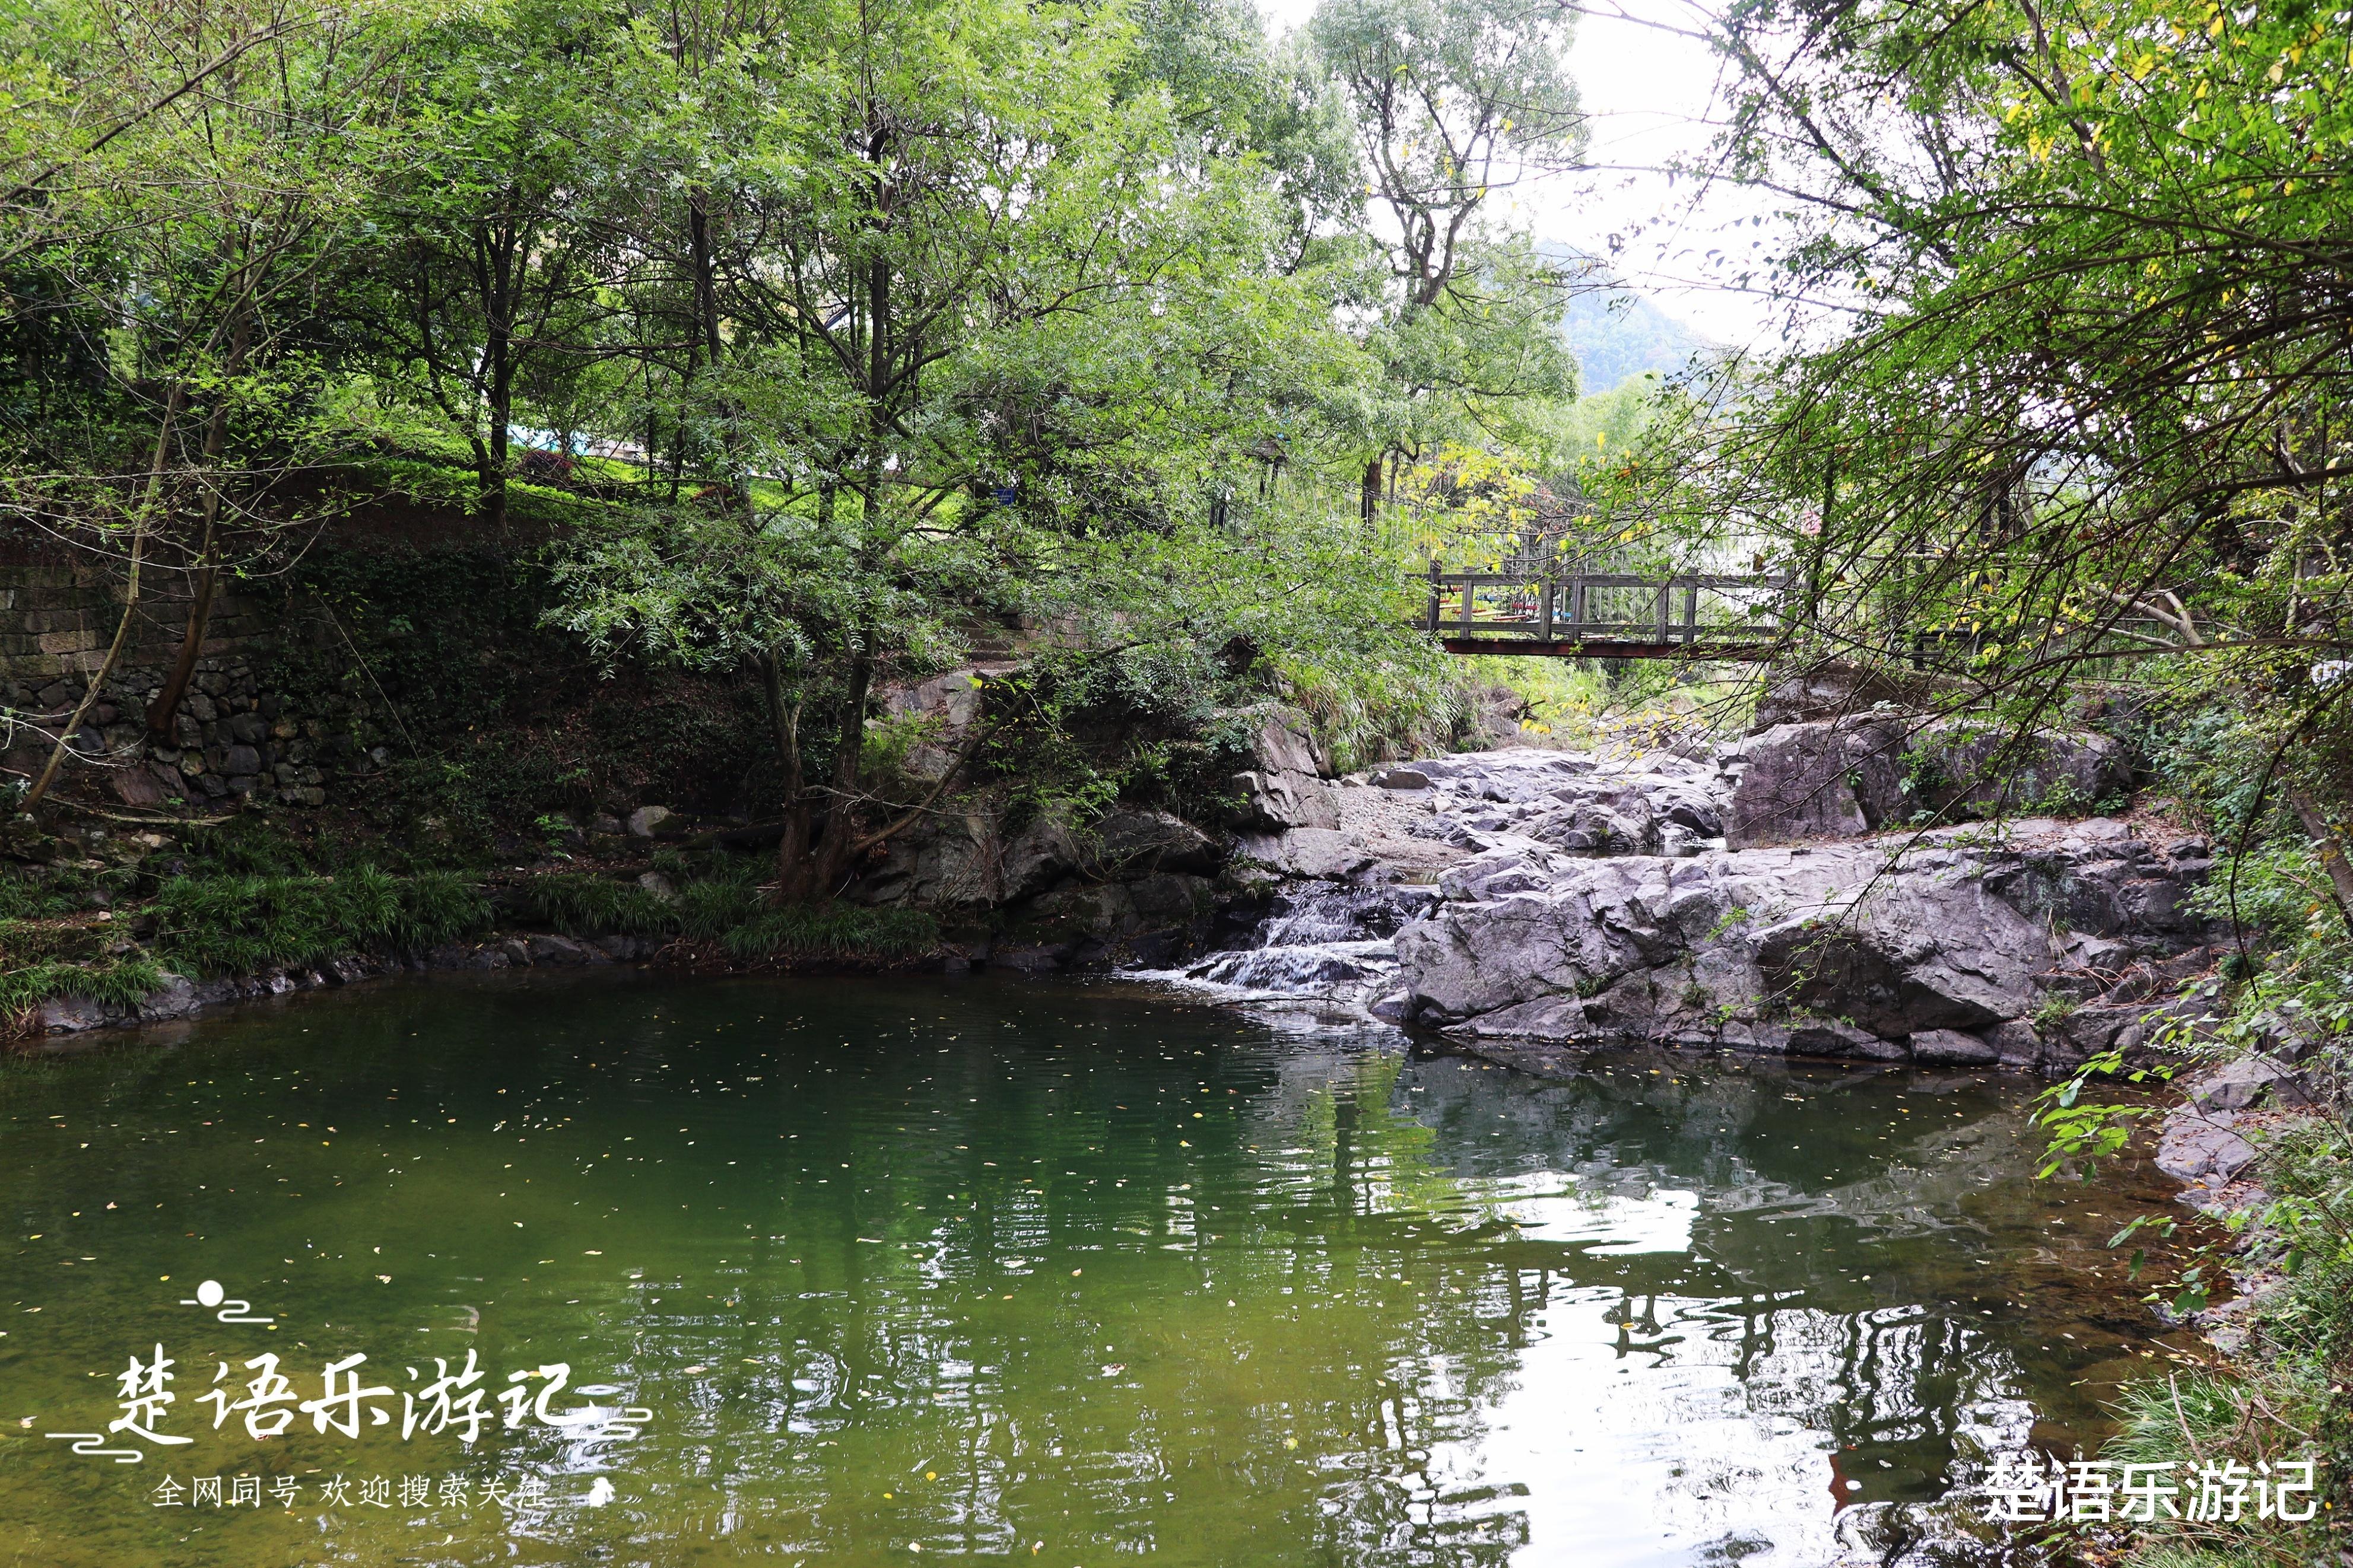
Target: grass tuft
<point>119,983</point>
<point>580,905</point>
<point>802,932</point>
<point>240,925</point>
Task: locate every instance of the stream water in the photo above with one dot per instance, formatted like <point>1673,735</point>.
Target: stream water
<point>849,1272</point>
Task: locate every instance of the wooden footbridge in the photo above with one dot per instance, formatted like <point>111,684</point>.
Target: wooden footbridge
<point>1554,611</point>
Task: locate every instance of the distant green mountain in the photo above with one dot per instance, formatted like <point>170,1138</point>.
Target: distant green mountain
<point>1616,333</point>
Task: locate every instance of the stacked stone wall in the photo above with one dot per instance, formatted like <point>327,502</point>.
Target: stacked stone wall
<point>230,737</point>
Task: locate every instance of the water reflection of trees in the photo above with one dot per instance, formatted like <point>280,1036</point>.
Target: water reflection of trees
<point>1357,1206</point>
<point>1386,1301</point>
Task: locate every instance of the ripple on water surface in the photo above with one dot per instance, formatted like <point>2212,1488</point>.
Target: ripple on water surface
<point>1076,1275</point>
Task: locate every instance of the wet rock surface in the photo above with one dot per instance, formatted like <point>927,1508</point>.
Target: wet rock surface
<point>1594,899</point>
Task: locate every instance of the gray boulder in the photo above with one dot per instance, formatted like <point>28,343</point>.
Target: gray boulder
<point>1040,855</point>
<point>1817,779</point>
<point>1843,777</point>
<point>1950,1047</point>
<point>1282,800</point>
<point>1324,854</point>
<point>944,709</point>
<point>2234,1086</point>
<point>1284,786</point>
<point>1124,843</point>
<point>945,862</point>
<point>1937,948</point>
<point>2204,1147</point>
<point>1973,767</point>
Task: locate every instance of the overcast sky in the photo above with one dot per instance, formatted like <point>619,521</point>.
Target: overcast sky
<point>1648,90</point>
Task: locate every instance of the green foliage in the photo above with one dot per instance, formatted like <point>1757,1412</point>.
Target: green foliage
<point>242,925</point>
<point>2277,890</point>
<point>2089,1131</point>
<point>2055,1008</point>
<point>721,895</point>
<point>121,982</point>
<point>1451,100</point>
<point>22,898</point>
<point>582,905</point>
<point>838,932</point>
<point>2182,1417</point>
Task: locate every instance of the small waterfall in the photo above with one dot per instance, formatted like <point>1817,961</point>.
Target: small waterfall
<point>1317,942</point>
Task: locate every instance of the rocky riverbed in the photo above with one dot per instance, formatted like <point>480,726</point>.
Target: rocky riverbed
<point>1756,896</point>
<point>1752,897</point>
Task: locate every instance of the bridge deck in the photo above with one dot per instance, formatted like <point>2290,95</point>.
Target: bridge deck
<point>1559,613</point>
<point>1606,648</point>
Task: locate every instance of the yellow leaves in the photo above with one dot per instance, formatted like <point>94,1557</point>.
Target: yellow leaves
<point>2278,71</point>
<point>2214,27</point>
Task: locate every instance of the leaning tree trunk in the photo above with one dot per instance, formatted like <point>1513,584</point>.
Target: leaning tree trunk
<point>141,522</point>
<point>830,865</point>
<point>2327,844</point>
<point>207,580</point>
<point>793,848</point>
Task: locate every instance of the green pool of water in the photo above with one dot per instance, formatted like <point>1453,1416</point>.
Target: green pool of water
<point>901,1271</point>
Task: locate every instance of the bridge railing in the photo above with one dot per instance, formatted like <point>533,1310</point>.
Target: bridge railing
<point>1691,609</point>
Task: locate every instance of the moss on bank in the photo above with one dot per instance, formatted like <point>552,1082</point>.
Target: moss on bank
<point>241,923</point>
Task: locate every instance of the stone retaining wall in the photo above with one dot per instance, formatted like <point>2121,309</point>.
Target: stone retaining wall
<point>230,736</point>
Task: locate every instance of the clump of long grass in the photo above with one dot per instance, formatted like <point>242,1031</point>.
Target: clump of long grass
<point>232,925</point>
<point>117,982</point>
<point>716,903</point>
<point>837,931</point>
<point>580,905</point>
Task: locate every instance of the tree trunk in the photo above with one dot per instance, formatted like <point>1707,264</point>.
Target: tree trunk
<point>2330,847</point>
<point>706,322</point>
<point>495,261</point>
<point>1371,502</point>
<point>792,849</point>
<point>207,580</point>
<point>141,522</point>
<point>831,865</point>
